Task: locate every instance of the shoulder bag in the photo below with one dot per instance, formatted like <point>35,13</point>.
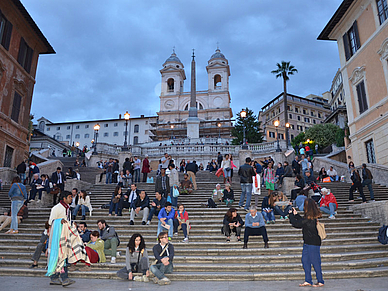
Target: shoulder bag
<point>321,230</point>
<point>164,249</point>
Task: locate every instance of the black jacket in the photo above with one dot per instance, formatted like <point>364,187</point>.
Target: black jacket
<point>55,177</point>
<point>192,167</point>
<point>287,171</point>
<point>265,203</point>
<point>246,173</point>
<point>158,184</point>
<point>309,229</point>
<point>228,195</point>
<point>300,183</point>
<point>228,220</point>
<point>157,249</point>
<point>21,168</point>
<point>142,203</point>
<point>161,202</point>
<point>296,166</point>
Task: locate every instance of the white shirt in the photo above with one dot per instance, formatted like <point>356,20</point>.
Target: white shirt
<point>58,212</point>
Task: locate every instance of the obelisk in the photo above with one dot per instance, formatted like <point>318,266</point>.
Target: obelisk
<point>193,120</point>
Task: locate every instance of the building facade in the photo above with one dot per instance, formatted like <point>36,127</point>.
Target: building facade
<point>303,113</point>
<point>21,43</point>
<point>360,28</point>
<point>213,104</point>
<point>112,131</point>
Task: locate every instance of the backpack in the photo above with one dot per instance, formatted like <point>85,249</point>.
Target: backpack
<point>383,234</point>
<point>211,203</point>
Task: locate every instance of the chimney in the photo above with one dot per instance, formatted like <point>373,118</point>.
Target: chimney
<point>142,116</point>
<point>119,116</point>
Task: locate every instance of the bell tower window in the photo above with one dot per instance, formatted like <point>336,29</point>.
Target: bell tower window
<point>170,85</point>
<point>217,82</point>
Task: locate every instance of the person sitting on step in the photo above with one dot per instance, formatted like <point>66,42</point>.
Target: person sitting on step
<point>267,208</point>
<point>232,223</point>
<point>166,220</point>
<point>115,201</point>
<point>136,260</point>
<point>110,238</point>
<point>156,205</point>
<point>186,186</point>
<point>328,203</point>
<point>282,205</point>
<point>164,255</point>
<point>96,244</point>
<point>42,246</point>
<point>228,197</point>
<point>84,232</point>
<point>181,219</point>
<point>84,204</point>
<point>6,218</point>
<point>254,225</point>
<point>299,201</point>
<point>333,174</point>
<point>141,206</point>
<point>299,185</point>
<point>322,174</point>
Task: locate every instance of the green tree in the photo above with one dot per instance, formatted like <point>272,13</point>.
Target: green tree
<point>253,132</point>
<point>325,134</point>
<point>301,137</point>
<point>284,70</point>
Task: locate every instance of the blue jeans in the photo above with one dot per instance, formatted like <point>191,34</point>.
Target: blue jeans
<point>108,179</point>
<point>279,210</point>
<point>153,212</point>
<point>329,210</point>
<point>368,182</point>
<point>268,216</point>
<point>161,228</point>
<point>246,190</point>
<point>15,207</point>
<point>83,209</point>
<point>136,175</point>
<point>311,255</point>
<point>114,206</point>
<point>159,270</point>
<point>22,177</point>
<point>174,200</point>
<point>183,225</point>
<point>336,178</point>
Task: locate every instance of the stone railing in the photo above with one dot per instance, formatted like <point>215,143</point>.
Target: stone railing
<point>106,148</point>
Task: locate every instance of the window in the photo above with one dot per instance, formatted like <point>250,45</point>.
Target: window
<point>48,128</point>
<point>312,113</point>
<point>292,126</point>
<point>135,140</point>
<point>25,55</point>
<point>314,121</point>
<point>290,116</point>
<point>17,101</point>
<point>5,31</point>
<point>292,136</point>
<point>296,109</point>
<point>304,111</point>
<point>170,85</point>
<point>77,136</point>
<point>68,127</point>
<point>116,133</point>
<point>68,136</point>
<point>86,135</point>
<point>306,128</point>
<point>382,8</point>
<point>351,41</point>
<point>146,122</point>
<point>271,134</point>
<point>299,127</point>
<point>281,136</point>
<point>217,82</point>
<point>106,134</point>
<point>361,95</point>
<point>307,119</point>
<point>8,157</point>
<point>58,128</point>
<point>77,127</point>
<point>298,117</point>
<point>136,128</point>
<point>87,126</point>
<point>146,131</point>
<point>319,115</point>
<point>106,125</point>
<point>370,151</point>
<point>115,124</point>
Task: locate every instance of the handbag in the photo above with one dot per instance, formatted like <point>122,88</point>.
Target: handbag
<point>115,200</point>
<point>321,230</point>
<point>227,169</point>
<point>175,191</point>
<point>326,180</point>
<point>150,179</point>
<point>219,172</point>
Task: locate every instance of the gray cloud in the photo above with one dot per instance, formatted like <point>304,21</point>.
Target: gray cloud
<point>109,53</point>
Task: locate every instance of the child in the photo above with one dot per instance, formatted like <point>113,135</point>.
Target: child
<point>182,219</point>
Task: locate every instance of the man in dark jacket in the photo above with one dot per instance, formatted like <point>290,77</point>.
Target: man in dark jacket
<point>296,166</point>
<point>84,232</point>
<point>158,203</point>
<point>287,172</point>
<point>246,173</point>
<point>110,238</point>
<point>162,184</point>
<point>36,183</point>
<point>367,180</point>
<point>21,171</point>
<point>58,179</point>
<point>219,159</point>
<point>191,170</point>
<point>164,259</point>
<point>128,199</point>
<point>141,206</point>
<point>127,165</point>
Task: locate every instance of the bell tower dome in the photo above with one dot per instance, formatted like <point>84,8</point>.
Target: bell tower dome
<point>218,72</point>
<point>173,76</point>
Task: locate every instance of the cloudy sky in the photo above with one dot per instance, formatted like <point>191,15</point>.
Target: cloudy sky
<point>109,53</point>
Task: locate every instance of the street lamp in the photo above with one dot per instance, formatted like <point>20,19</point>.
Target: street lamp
<point>126,117</point>
<point>219,129</point>
<point>288,139</point>
<point>172,131</point>
<point>276,123</point>
<point>96,129</point>
<point>243,115</point>
<point>77,144</point>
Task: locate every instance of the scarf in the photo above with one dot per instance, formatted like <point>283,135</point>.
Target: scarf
<point>67,208</point>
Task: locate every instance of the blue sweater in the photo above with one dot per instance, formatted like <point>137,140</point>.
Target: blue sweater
<point>258,218</point>
<point>163,214</point>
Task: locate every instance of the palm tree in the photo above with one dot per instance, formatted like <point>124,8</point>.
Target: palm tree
<point>284,70</point>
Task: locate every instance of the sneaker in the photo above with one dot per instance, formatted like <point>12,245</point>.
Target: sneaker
<point>164,281</point>
<point>67,282</point>
<point>131,222</point>
<point>33,266</point>
<point>169,238</point>
<point>38,200</point>
<point>286,217</point>
<point>281,218</point>
<point>148,222</point>
<point>55,282</point>
<point>143,223</point>
<point>155,280</point>
<point>138,278</point>
<point>145,279</point>
<point>186,239</point>
<point>332,217</point>
<point>228,240</point>
<point>118,254</point>
<point>175,233</point>
<point>113,260</point>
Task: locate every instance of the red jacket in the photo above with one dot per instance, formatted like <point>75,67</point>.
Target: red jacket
<point>183,216</point>
<point>327,199</point>
<point>146,166</point>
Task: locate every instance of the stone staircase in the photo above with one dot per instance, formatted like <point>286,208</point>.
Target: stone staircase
<point>351,249</point>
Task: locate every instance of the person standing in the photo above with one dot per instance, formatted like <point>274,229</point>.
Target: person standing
<point>165,161</point>
<point>58,179</point>
<point>296,166</point>
<point>191,170</point>
<point>219,159</point>
<point>109,171</point>
<point>356,179</point>
<point>21,171</point>
<point>311,254</point>
<point>226,166</point>
<point>174,183</point>
<point>17,194</point>
<point>136,169</point>
<point>164,255</point>
<point>246,172</point>
<point>367,180</point>
<point>269,178</point>
<point>162,183</point>
<point>145,168</point>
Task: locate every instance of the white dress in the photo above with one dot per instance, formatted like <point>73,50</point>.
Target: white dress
<point>256,190</point>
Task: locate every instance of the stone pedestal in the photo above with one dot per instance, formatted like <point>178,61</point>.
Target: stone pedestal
<point>192,127</point>
<point>242,155</point>
<point>375,211</point>
<point>47,201</point>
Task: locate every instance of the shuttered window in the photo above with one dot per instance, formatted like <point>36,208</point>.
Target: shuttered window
<point>5,31</point>
<point>17,101</point>
<point>25,55</point>
<point>361,95</point>
<point>382,8</point>
<point>351,41</point>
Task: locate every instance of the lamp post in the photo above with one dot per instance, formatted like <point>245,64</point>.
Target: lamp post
<point>96,129</point>
<point>243,115</point>
<point>172,131</point>
<point>126,117</point>
<point>276,123</point>
<point>219,129</point>
<point>288,139</point>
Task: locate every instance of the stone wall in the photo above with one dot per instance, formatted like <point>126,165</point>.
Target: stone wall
<point>376,211</point>
<point>79,184</point>
<point>49,166</point>
<point>341,168</point>
<point>6,175</point>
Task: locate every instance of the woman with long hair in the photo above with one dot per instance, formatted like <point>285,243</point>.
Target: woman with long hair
<point>83,203</point>
<point>232,223</point>
<point>322,174</point>
<point>227,168</point>
<point>136,260</point>
<point>267,208</point>
<point>311,254</point>
<point>17,194</point>
<point>282,205</point>
<point>115,201</point>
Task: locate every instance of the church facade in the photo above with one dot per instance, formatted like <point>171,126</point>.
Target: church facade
<point>213,104</point>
